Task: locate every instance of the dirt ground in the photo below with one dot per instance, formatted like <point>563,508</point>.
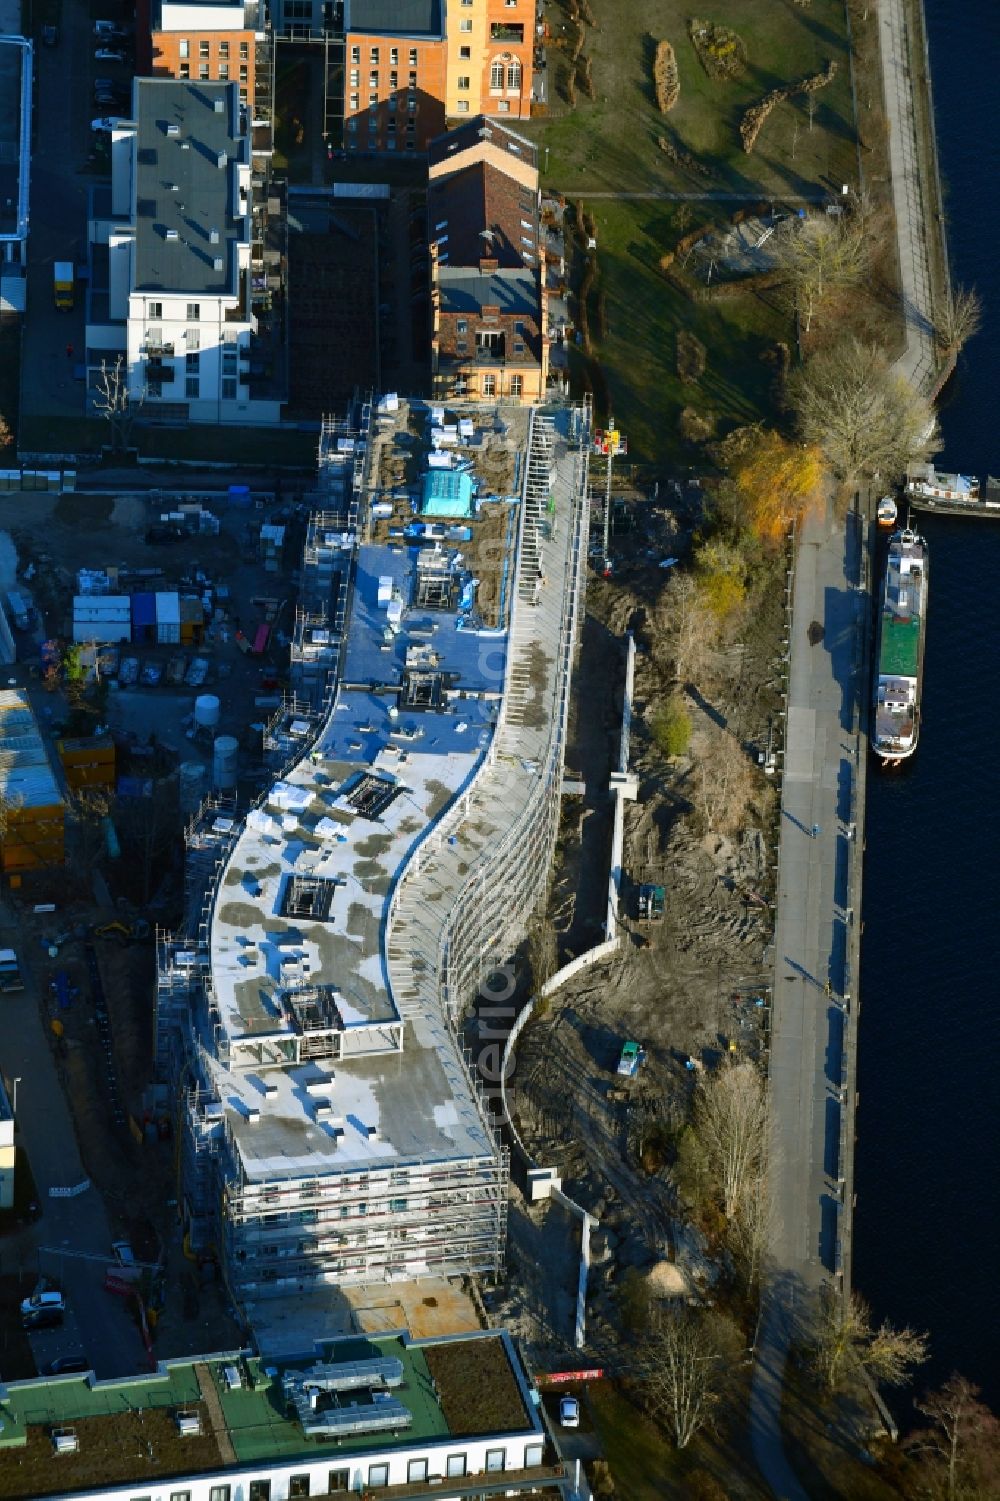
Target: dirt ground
<point>691,987</point>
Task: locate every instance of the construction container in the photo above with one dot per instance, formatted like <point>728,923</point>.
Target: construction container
<point>224,758</point>
<point>33,830</point>
<point>206,711</point>
<point>192,620</point>
<point>105,618</point>
<point>88,762</point>
<point>168,619</point>
<point>144,619</point>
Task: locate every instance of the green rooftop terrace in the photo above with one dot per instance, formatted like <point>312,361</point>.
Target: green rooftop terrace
<point>260,1426</point>
<point>900,649</point>
<point>128,1430</point>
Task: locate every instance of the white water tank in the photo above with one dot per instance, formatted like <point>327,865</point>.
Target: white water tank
<point>206,711</point>
<point>224,763</point>
<point>191,783</point>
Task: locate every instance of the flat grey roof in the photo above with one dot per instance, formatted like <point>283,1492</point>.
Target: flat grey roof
<point>182,189</point>
<point>394,17</point>
<point>464,291</point>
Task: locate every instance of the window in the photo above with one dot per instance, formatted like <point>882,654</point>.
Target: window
<point>394,80</point>
<point>298,1485</point>
<point>461,346</point>
<point>462,326</point>
<point>462,106</point>
<point>518,346</point>
<point>203,49</point>
<point>355,101</point>
<point>243,73</point>
<point>373,102</point>
<point>194,312</point>
<point>378,1474</point>
<point>413,57</point>
<point>223,72</point>
<point>203,72</point>
<point>514,76</point>
<point>355,54</point>
<point>412,80</point>
<point>340,1480</point>
<point>465,53</point>
<point>465,24</point>
<point>229,394</point>
<point>411,106</point>
<point>219,1493</point>
<point>191,364</point>
<point>373,55</point>
<point>456,1462</point>
<point>223,49</point>
<point>463,82</point>
<point>243,97</point>
<point>394,57</point>
<point>503,106</point>
<point>397,1206</point>
<point>355,77</point>
<point>496,76</point>
<point>180,1496</point>
<point>260,1490</point>
<point>244,51</point>
<point>416,1470</point>
<point>184,48</point>
<point>191,390</point>
<point>532,1455</point>
<point>516,389</point>
<point>185,70</point>
<point>489,389</point>
<point>496,1458</point>
<point>155,310</point>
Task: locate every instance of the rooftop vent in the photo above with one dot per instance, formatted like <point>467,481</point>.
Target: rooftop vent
<point>218,105</point>
<point>252,1115</point>
<point>213,237</point>
<point>65,1441</point>
<point>185,145</point>
<point>217,263</point>
<point>221,159</point>
<point>269,1088</point>
<point>319,1086</point>
<point>172,234</point>
<point>173,130</point>
<point>189,1424</point>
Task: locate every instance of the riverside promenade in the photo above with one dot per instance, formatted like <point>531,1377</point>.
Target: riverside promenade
<point>818,909</point>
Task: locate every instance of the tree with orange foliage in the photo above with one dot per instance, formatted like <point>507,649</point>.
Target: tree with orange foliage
<point>777,482</point>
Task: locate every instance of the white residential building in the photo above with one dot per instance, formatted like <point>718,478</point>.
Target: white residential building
<point>180,303</point>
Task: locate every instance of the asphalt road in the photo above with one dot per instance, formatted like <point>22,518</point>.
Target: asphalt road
<point>810,1019</point>
<point>97,1324</point>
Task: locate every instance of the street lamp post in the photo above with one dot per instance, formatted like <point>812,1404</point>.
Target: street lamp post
<point>14,1102</point>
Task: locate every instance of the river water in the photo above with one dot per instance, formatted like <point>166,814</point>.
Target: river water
<point>927,1224</point>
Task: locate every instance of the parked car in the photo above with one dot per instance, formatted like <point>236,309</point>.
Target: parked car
<point>109,55</point>
<point>569,1412</point>
<point>107,122</point>
<point>50,36</point>
<point>67,1364</point>
<point>43,1309</point>
<point>109,30</point>
<point>42,1318</point>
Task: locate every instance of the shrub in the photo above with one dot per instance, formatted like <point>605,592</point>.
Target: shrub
<point>671,728</point>
<point>666,82</point>
<point>691,357</point>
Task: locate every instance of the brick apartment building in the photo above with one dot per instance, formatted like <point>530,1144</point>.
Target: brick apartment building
<point>206,41</point>
<point>489,337</point>
<point>413,64</point>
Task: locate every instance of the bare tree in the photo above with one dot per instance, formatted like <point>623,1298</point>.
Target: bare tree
<point>682,1370</point>
<point>726,782</point>
<point>864,418</point>
<point>690,626</point>
<point>824,254</point>
<point>959,1453</point>
<point>957,318</point>
<point>846,1340</point>
<point>114,402</point>
<point>731,1118</point>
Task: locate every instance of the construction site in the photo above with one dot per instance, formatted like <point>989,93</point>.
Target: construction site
<point>333,1133</point>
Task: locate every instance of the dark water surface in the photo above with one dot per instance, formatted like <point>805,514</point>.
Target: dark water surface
<point>927,1226</point>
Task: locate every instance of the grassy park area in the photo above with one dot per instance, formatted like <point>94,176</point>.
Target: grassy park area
<point>610,142</point>
<point>602,138</point>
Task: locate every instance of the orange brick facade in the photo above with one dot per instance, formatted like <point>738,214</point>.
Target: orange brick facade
<point>209,56</point>
<point>507,60</point>
<point>394,92</point>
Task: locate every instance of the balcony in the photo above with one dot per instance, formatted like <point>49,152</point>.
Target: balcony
<point>540,1480</point>
<point>155,349</point>
<point>505,31</point>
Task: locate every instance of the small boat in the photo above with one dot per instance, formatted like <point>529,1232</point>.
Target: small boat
<point>899,668</point>
<point>887,511</point>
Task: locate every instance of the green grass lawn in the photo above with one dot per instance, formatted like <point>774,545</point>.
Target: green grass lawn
<point>609,143</point>
<point>644,314</point>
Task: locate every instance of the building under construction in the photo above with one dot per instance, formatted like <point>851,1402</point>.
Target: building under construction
<point>332,1128</point>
